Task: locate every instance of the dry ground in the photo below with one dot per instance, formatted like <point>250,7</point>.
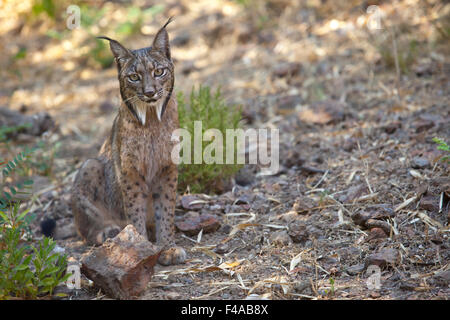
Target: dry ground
<point>355,142</point>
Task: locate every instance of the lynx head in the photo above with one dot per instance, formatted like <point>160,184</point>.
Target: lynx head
<point>146,75</point>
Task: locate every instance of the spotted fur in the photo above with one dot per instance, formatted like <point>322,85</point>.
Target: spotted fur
<point>133,180</point>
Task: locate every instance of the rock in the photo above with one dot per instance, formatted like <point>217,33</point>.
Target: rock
<point>392,127</point>
<point>423,125</point>
<point>349,145</point>
<point>303,205</point>
<point>354,193</point>
<point>286,69</point>
<point>354,270</point>
<point>280,238</point>
<point>443,277</point>
<point>192,225</point>
<point>222,248</point>
<point>384,257</point>
<point>298,231</point>
<point>429,203</point>
<point>360,218</point>
<point>122,266</point>
<point>323,112</point>
<point>191,202</point>
<point>34,125</point>
<point>173,295</point>
<point>292,157</point>
<point>379,224</point>
<point>420,163</point>
<point>245,176</point>
<point>376,233</point>
<point>286,105</point>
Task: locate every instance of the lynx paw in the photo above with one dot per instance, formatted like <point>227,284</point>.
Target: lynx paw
<point>173,255</point>
<point>108,232</point>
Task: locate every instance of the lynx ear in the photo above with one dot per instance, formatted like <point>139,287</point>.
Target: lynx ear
<point>161,41</point>
<point>118,50</point>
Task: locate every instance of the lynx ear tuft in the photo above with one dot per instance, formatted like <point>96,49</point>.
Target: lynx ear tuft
<point>118,50</point>
<point>161,41</point>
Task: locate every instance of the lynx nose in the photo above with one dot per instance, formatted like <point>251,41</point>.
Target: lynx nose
<point>150,92</point>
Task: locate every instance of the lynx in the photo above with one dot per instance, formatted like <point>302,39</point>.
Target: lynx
<point>133,180</point>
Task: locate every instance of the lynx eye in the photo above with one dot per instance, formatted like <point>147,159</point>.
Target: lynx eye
<point>158,72</point>
<point>134,77</point>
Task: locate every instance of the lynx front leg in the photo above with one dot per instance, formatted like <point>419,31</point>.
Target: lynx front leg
<point>134,194</point>
<point>164,198</point>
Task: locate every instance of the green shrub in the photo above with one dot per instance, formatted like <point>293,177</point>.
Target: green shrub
<point>212,110</point>
<point>442,145</point>
<point>26,271</point>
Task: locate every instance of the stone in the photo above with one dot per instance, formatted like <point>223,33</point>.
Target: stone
<point>298,231</point>
<point>383,258</point>
<point>429,203</point>
<point>122,266</point>
<point>354,270</point>
<point>280,238</point>
<point>191,226</point>
<point>376,233</point>
<point>192,202</point>
<point>420,163</point>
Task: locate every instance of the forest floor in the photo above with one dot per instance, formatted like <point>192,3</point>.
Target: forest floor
<point>361,182</point>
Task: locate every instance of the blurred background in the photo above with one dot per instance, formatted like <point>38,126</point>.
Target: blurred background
<point>271,57</point>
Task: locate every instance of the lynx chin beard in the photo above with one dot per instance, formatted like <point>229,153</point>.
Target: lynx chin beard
<point>141,109</point>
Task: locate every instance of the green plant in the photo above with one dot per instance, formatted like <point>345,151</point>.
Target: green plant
<point>442,145</point>
<point>27,271</point>
<point>214,113</point>
<point>7,167</point>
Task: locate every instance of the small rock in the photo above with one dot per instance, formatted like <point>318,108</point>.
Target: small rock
<point>222,248</point>
<point>354,193</point>
<point>192,225</point>
<point>173,295</point>
<point>280,238</point>
<point>122,266</point>
<point>429,203</point>
<point>420,163</point>
<point>349,145</point>
<point>379,224</point>
<point>245,176</point>
<point>292,158</point>
<point>298,231</point>
<point>354,270</point>
<point>385,257</point>
<point>286,69</point>
<point>443,277</point>
<point>191,202</point>
<point>323,112</point>
<point>376,233</point>
<point>286,105</point>
<point>360,218</point>
<point>392,127</point>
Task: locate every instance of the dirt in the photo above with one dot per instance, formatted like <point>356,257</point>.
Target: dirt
<point>361,186</point>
